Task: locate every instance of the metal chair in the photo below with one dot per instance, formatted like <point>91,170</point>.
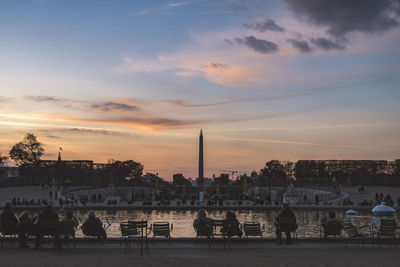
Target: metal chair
<point>143,233</point>
<point>162,229</point>
<point>288,225</point>
<point>67,233</point>
<point>217,230</point>
<point>128,233</point>
<point>386,231</point>
<point>253,229</point>
<point>354,234</point>
<point>206,231</point>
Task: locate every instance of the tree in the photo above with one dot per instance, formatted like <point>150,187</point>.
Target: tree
<point>274,173</point>
<point>124,170</point>
<point>27,153</point>
<point>179,180</point>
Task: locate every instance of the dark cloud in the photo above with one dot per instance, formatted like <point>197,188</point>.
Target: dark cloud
<point>342,17</point>
<point>326,44</point>
<point>39,98</point>
<point>96,132</point>
<point>267,25</point>
<point>258,45</point>
<point>71,103</point>
<point>229,42</point>
<point>185,104</point>
<point>52,136</point>
<point>49,132</point>
<point>302,46</point>
<point>217,65</point>
<point>109,106</point>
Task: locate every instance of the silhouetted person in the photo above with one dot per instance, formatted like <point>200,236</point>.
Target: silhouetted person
<point>330,223</point>
<point>9,222</point>
<point>286,212</point>
<point>231,225</point>
<point>202,220</point>
<point>316,199</point>
<point>25,228</point>
<point>93,227</point>
<point>48,224</point>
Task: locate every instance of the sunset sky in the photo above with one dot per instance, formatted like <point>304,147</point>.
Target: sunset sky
<point>287,80</point>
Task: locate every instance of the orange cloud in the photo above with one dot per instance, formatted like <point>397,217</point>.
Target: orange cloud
<point>146,123</point>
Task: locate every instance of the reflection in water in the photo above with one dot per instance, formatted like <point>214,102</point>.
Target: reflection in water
<point>308,220</point>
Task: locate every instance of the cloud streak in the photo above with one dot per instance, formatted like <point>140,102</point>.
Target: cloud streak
<point>72,103</point>
<point>267,25</point>
<point>301,46</point>
<point>259,45</point>
<point>326,44</point>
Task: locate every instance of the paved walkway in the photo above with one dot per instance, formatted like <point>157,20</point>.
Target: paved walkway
<point>201,256</point>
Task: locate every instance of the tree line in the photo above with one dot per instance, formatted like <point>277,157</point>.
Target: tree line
<point>28,152</point>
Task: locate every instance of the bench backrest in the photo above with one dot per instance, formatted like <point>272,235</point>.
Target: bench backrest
<point>252,229</point>
<point>387,227</point>
<point>350,229</point>
<point>161,229</point>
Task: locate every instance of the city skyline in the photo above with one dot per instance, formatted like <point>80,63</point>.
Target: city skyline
<point>263,79</point>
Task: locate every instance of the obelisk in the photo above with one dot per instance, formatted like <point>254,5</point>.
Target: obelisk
<point>201,162</point>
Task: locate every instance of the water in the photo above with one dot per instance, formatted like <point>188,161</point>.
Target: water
<point>308,220</point>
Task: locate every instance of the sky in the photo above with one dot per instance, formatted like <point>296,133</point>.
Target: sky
<point>282,79</point>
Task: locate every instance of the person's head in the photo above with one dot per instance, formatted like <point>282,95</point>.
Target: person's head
<point>69,214</point>
<point>230,216</point>
<point>202,213</point>
<point>285,206</point>
<point>91,215</point>
<point>332,215</point>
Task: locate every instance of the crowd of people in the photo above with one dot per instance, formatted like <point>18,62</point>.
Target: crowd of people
<point>47,223</point>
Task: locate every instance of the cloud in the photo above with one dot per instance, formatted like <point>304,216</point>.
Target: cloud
<point>6,99</point>
<point>267,25</point>
<point>147,123</point>
<point>296,94</point>
<point>302,46</point>
<point>343,17</point>
<point>176,4</point>
<point>326,44</point>
<point>217,65</point>
<point>72,103</point>
<point>45,98</point>
<point>258,45</point>
<point>181,103</point>
<point>109,106</point>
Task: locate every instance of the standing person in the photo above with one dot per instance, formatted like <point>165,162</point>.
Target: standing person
<point>93,227</point>
<point>286,212</point>
<point>8,220</point>
<point>316,199</point>
<point>25,227</point>
<point>231,225</point>
<point>47,216</point>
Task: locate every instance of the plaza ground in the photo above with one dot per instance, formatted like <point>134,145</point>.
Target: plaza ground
<point>201,256</point>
